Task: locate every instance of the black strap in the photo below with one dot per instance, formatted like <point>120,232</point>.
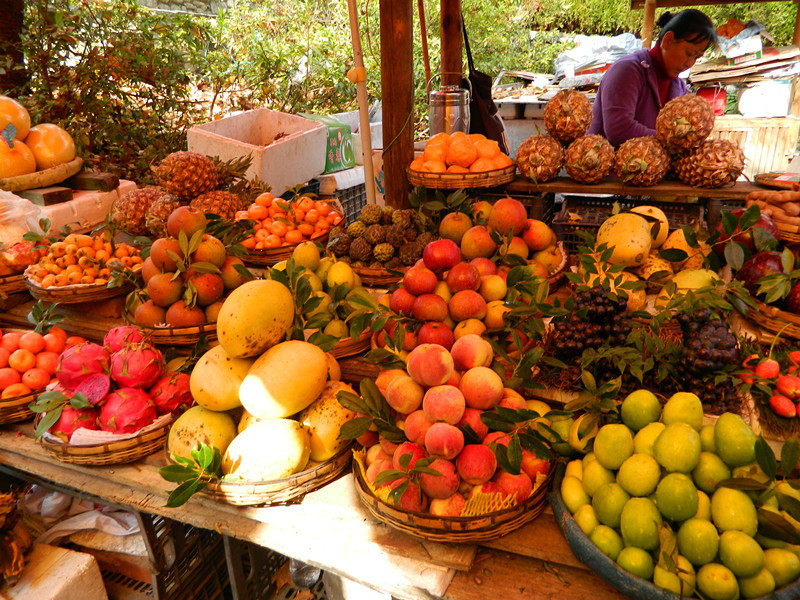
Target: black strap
<point>466,45</point>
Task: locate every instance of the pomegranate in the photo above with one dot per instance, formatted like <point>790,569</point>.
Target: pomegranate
<point>136,365</point>
<point>757,266</point>
<point>171,393</point>
<point>77,362</point>
<point>95,388</point>
<point>73,419</point>
<point>117,337</point>
<point>127,410</point>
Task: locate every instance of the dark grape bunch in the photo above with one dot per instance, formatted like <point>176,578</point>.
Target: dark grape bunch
<point>596,319</point>
<point>709,346</point>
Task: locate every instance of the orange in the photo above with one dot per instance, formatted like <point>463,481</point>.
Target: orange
<point>323,207</point>
<point>434,166</point>
<point>461,152</point>
<point>32,341</point>
<point>458,136</point>
<point>249,242</point>
<point>312,215</point>
<point>51,145</point>
<point>306,204</point>
<point>457,169</point>
<point>10,341</point>
<point>434,152</point>
<point>264,199</point>
<point>241,215</point>
<point>482,164</point>
<point>416,164</point>
<point>278,228</point>
<point>15,160</point>
<point>306,229</point>
<point>257,212</point>
<point>487,148</point>
<point>335,218</point>
<point>294,236</point>
<point>299,215</point>
<point>9,376</point>
<point>11,111</point>
<point>272,241</point>
<point>502,161</point>
<point>53,342</point>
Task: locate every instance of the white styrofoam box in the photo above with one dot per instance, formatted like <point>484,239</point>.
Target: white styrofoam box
<point>87,208</point>
<point>340,180</point>
<point>287,150</point>
<point>53,573</point>
<point>766,99</point>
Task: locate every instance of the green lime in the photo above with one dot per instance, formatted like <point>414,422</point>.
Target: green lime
<point>639,409</point>
<point>683,407</point>
<point>733,510</point>
<point>677,448</point>
<point>703,506</point>
<point>595,475</point>
<point>760,584</point>
<point>717,582</point>
<point>613,444</point>
<point>783,564</point>
<point>572,493</point>
<point>735,442</point>
<point>639,475</point>
<point>636,561</point>
<point>740,553</point>
<point>698,540</point>
<point>607,541</point>
<point>707,438</point>
<point>676,497</point>
<point>710,470</point>
<point>586,518</point>
<point>608,501</point>
<point>643,441</point>
<point>639,523</point>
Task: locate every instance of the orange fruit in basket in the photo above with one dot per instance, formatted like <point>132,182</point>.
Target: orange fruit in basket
<point>323,207</point>
<point>476,137</point>
<point>16,160</point>
<point>264,199</point>
<point>416,164</point>
<point>440,138</point>
<point>487,148</point>
<point>502,161</point>
<point>461,152</point>
<point>4,354</point>
<point>256,212</point>
<point>33,341</point>
<point>434,166</point>
<point>15,390</point>
<point>51,145</point>
<point>481,165</point>
<point>9,376</point>
<point>457,169</point>
<point>11,111</point>
<point>294,236</point>
<point>36,378</point>
<point>434,152</point>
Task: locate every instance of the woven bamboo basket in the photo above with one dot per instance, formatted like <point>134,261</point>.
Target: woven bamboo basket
<point>559,276</point>
<point>787,232</point>
<point>279,491</point>
<point>12,284</point>
<point>73,294</point>
<point>774,320</point>
<point>109,453</point>
<point>347,347</point>
<point>454,529</point>
<point>458,181</point>
<point>771,180</point>
<point>377,277</point>
<point>175,336</point>
<point>15,410</point>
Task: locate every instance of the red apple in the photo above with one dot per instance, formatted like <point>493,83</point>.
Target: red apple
<point>429,307</point>
<point>463,276</point>
<point>441,255</point>
<point>402,301</point>
<point>420,280</point>
<point>434,332</point>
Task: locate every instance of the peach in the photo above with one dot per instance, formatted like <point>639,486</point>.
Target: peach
<point>489,488</point>
<point>517,246</point>
<point>443,291</point>
<point>475,326</point>
<point>435,333</point>
<point>388,446</point>
<point>492,287</point>
<point>495,314</point>
<point>470,351</point>
<point>386,376</point>
<point>420,280</point>
<point>149,269</point>
<point>441,255</point>
<point>454,380</point>
<point>189,220</point>
<point>472,419</point>
<point>412,498</point>
<point>429,307</point>
<point>444,440</point>
<point>532,465</point>
<point>484,266</point>
<point>444,484</point>
<point>536,269</point>
<point>444,403</point>
<point>481,210</point>
<point>368,439</point>
<point>477,243</point>
<point>402,301</point>
<point>376,453</point>
<point>518,486</point>
<point>508,215</point>
<point>406,456</point>
<point>430,364</point>
<point>416,426</point>
<point>467,304</point>
<point>538,235</point>
<point>409,336</point>
<point>454,225</point>
<point>476,464</point>
<point>231,273</point>
<point>482,388</point>
<point>447,507</point>
<point>159,254</point>
<point>377,468</point>
<point>404,394</point>
<point>463,276</point>
<point>211,250</point>
<point>512,400</point>
<point>496,437</point>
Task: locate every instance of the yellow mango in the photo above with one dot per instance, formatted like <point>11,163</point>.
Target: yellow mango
<point>200,425</point>
<point>216,378</point>
<point>267,450</point>
<point>323,418</point>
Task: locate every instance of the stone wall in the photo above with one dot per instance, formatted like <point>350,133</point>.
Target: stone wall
<point>200,7</point>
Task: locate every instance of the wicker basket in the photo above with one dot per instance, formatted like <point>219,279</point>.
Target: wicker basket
<point>15,410</point>
<point>771,180</point>
<point>175,336</point>
<point>787,232</point>
<point>347,347</point>
<point>74,294</point>
<point>377,277</point>
<point>279,491</point>
<point>454,529</point>
<point>12,284</point>
<point>109,453</point>
<point>774,320</point>
<point>458,181</point>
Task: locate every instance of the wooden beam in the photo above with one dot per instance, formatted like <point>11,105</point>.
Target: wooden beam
<point>397,92</point>
<point>451,38</point>
<point>639,4</point>
<point>649,20</point>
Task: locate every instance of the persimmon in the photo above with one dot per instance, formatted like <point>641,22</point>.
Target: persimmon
<point>4,354</point>
<point>15,159</point>
<point>50,144</point>
<point>21,360</point>
<point>9,376</point>
<point>32,340</point>
<point>10,341</point>
<point>53,342</point>
<point>47,361</point>
<point>12,111</point>
<point>15,390</point>
<point>35,378</point>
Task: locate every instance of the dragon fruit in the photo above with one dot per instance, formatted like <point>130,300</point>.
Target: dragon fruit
<point>171,393</point>
<point>118,337</point>
<point>136,365</point>
<point>73,419</point>
<point>127,410</point>
<point>77,362</point>
<point>95,388</point>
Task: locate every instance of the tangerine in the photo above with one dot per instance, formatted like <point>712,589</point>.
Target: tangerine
<point>257,212</point>
<point>10,341</point>
<point>4,354</point>
<point>461,152</point>
<point>9,376</point>
<point>32,341</point>
<point>21,360</point>
<point>36,378</point>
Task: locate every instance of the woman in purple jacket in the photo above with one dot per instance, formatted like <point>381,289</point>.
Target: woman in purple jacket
<point>636,86</point>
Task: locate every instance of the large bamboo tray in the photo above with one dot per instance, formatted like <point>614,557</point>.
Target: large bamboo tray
<point>279,491</point>
<point>774,320</point>
<point>175,336</point>
<point>454,529</point>
<point>458,181</point>
<point>12,284</point>
<point>44,178</point>
<point>787,232</point>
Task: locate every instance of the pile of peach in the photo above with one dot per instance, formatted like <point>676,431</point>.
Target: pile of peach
<point>28,360</point>
<point>279,222</point>
<point>435,400</point>
<point>81,259</point>
<point>460,153</point>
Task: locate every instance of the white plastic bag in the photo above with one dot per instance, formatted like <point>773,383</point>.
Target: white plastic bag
<point>17,217</point>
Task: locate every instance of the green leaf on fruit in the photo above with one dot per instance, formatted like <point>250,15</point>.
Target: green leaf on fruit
<point>774,525</point>
<point>735,255</point>
<point>352,402</point>
<point>354,428</point>
<point>790,453</point>
<point>766,458</point>
<point>749,217</point>
<point>743,483</point>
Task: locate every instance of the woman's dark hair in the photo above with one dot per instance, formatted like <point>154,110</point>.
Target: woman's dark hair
<point>691,25</point>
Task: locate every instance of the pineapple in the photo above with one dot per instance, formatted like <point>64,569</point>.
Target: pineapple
<point>567,115</point>
<point>129,212</point>
<point>714,164</point>
<point>684,123</point>
<point>641,161</point>
<point>224,204</point>
<point>158,213</point>
<point>540,158</point>
<point>186,175</point>
<point>589,159</point>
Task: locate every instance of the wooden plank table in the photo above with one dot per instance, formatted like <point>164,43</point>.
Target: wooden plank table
<point>329,529</point>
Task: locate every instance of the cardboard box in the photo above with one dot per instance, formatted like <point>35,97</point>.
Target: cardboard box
<point>339,150</point>
<point>287,150</point>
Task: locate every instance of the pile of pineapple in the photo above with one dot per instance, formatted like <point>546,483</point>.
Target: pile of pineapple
<point>680,144</point>
<point>382,237</point>
<point>185,178</point>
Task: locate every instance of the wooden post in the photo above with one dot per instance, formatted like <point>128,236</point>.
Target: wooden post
<point>796,35</point>
<point>649,20</point>
<point>397,92</point>
<point>451,42</point>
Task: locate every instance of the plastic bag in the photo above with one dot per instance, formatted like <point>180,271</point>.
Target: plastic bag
<point>17,217</point>
<point>594,50</point>
<point>745,42</point>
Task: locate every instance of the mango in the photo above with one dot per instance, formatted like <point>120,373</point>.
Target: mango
<point>255,317</point>
<point>245,421</point>
<point>629,235</point>
<point>200,425</point>
<point>659,230</point>
<point>323,419</point>
<point>267,450</point>
<point>694,256</point>
<point>284,380</point>
<point>216,378</point>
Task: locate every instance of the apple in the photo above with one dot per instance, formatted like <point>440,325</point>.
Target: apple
<point>463,276</point>
<point>420,280</point>
<point>441,255</point>
<point>402,301</point>
<point>486,266</point>
<point>429,307</point>
<point>434,332</point>
<point>538,235</point>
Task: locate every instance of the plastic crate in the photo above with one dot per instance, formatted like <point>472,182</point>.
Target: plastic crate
<point>540,206</point>
<point>312,187</point>
<point>592,211</point>
<point>353,199</point>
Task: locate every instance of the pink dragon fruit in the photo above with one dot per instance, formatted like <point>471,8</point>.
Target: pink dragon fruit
<point>171,393</point>
<point>136,365</point>
<point>73,419</point>
<point>118,337</point>
<point>127,410</point>
<point>95,388</point>
<point>77,362</point>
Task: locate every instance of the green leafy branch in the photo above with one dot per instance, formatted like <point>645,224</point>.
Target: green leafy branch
<point>509,457</point>
<point>192,474</point>
<point>421,466</point>
<point>52,405</point>
<point>43,317</point>
<point>375,409</point>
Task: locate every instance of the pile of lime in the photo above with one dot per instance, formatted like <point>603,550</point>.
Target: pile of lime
<point>648,497</point>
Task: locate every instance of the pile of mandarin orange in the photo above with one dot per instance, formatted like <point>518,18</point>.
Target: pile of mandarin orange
<point>279,222</point>
<point>460,153</point>
<point>81,259</point>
